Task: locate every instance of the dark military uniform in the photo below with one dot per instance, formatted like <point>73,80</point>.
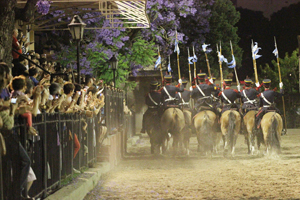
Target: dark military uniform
<point>249,96</point>
<point>266,101</point>
<point>228,96</point>
<point>152,100</point>
<point>202,94</point>
<point>184,97</point>
<point>168,93</point>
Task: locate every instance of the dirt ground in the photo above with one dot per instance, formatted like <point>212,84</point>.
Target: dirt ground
<point>142,176</point>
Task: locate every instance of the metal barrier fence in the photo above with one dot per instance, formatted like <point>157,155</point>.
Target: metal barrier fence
<point>52,151</point>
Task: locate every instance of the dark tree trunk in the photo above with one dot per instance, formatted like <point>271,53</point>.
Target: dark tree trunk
<point>27,13</point>
<point>7,21</point>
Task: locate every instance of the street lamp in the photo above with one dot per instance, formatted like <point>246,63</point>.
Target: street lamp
<point>76,28</point>
<point>114,66</point>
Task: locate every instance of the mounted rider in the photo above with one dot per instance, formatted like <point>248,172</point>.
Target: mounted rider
<point>266,101</point>
<point>229,96</point>
<point>184,97</point>
<point>168,93</point>
<point>202,94</point>
<point>152,100</point>
<point>249,95</point>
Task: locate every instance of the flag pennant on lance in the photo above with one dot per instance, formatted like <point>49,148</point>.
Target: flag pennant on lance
<point>169,66</point>
<point>158,62</point>
<point>205,49</point>
<point>255,50</point>
<point>232,64</point>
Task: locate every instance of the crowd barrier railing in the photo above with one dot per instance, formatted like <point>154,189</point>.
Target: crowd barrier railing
<point>52,151</point>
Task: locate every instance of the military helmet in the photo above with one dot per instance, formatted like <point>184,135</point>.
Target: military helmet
<point>228,81</point>
<point>168,78</point>
<point>267,83</point>
<point>184,81</point>
<point>201,75</point>
<point>153,84</point>
<point>248,82</point>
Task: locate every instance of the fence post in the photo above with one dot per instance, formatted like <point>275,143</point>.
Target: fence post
<point>45,155</point>
<point>1,179</point>
<point>60,149</point>
<point>72,145</point>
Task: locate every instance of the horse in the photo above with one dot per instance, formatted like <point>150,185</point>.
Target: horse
<point>204,123</point>
<point>153,130</point>
<point>187,130</point>
<point>230,127</point>
<point>271,126</point>
<point>249,127</point>
<point>173,122</point>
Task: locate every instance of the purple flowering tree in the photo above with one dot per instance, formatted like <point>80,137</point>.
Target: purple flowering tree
<point>188,17</point>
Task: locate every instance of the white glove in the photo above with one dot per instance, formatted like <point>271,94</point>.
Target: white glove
<point>179,81</point>
<point>257,84</point>
<point>280,85</point>
<point>191,88</point>
<point>238,87</point>
<point>211,80</point>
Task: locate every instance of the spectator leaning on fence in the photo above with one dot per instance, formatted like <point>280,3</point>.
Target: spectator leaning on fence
<point>7,112</point>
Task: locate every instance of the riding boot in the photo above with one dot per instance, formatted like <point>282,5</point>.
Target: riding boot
<point>284,131</point>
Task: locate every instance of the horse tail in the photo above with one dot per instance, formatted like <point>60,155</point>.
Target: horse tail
<point>273,134</point>
<point>231,127</point>
<point>206,132</point>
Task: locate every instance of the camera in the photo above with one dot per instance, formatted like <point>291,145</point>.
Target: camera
<point>13,100</point>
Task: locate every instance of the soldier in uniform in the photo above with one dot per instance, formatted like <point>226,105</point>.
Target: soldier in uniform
<point>266,101</point>
<point>184,97</point>
<point>229,96</point>
<point>152,100</point>
<point>168,92</point>
<point>249,95</point>
<point>202,94</point>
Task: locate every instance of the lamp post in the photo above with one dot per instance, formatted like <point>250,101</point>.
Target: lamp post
<point>114,66</point>
<point>76,28</point>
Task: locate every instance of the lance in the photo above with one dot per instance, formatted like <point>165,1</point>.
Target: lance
<point>220,63</point>
<point>236,76</point>
<point>190,75</point>
<point>161,74</point>
<point>207,63</point>
<point>179,76</point>
<point>195,70</point>
<point>283,104</point>
<point>254,65</point>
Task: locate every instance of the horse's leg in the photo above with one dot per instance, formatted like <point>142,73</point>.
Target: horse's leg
<point>175,144</point>
<point>247,138</point>
<point>164,141</point>
<point>252,142</point>
<point>187,141</point>
<point>234,142</point>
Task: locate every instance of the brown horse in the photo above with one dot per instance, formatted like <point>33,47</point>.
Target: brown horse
<point>187,130</point>
<point>172,121</point>
<point>204,123</point>
<point>271,125</point>
<point>230,127</point>
<point>153,130</point>
<point>249,127</point>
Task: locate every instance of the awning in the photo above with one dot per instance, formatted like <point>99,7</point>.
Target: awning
<point>129,12</point>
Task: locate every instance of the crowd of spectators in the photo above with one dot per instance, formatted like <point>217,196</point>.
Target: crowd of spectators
<point>27,90</point>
